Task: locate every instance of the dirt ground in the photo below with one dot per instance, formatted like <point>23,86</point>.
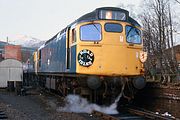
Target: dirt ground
<point>35,106</point>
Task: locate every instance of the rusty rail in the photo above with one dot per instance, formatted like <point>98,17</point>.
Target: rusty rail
<point>103,116</point>
<point>148,114</point>
<point>133,114</point>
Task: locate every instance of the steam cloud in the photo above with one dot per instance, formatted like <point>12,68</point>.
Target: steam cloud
<point>77,104</point>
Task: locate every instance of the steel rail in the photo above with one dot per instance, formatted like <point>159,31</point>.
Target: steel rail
<point>103,116</point>
<point>148,114</point>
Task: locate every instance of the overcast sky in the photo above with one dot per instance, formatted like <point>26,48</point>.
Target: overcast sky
<point>42,19</point>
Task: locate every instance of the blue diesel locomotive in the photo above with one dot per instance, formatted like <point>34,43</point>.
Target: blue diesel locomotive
<point>94,56</point>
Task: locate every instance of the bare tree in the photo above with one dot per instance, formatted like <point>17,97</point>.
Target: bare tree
<point>158,36</point>
<point>177,1</point>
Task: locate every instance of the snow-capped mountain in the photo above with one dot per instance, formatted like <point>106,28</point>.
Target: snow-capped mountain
<point>33,43</point>
<point>27,41</point>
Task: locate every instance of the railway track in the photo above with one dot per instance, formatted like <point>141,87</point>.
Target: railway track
<point>3,115</point>
<point>122,116</point>
<point>132,114</point>
<point>149,114</point>
<point>126,113</point>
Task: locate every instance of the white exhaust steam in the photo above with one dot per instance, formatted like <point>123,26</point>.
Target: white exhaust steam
<point>77,104</point>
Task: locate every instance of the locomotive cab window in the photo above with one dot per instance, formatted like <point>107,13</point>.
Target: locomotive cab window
<point>133,35</point>
<point>90,32</point>
<point>73,35</point>
<point>113,27</point>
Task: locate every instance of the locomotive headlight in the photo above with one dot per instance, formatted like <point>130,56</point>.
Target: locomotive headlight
<point>85,58</point>
<point>143,56</point>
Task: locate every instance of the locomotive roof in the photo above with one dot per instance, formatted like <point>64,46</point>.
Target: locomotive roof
<point>92,16</point>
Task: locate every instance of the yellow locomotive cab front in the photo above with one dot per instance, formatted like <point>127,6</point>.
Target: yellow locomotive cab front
<point>113,55</point>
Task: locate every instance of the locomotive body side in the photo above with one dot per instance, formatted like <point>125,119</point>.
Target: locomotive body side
<point>52,56</point>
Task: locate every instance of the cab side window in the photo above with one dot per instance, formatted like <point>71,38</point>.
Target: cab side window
<point>73,35</point>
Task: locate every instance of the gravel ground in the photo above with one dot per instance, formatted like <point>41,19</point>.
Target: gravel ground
<point>34,107</point>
